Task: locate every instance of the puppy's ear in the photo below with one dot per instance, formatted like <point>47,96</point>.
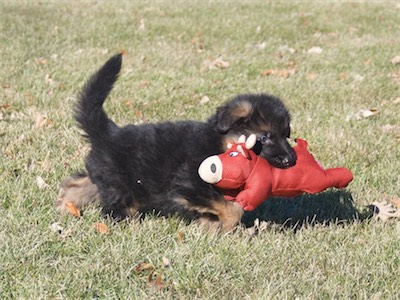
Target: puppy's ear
<point>230,115</point>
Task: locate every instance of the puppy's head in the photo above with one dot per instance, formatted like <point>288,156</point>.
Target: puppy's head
<point>266,117</point>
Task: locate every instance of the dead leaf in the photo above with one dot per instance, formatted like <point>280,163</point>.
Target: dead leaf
<point>353,29</point>
<point>367,62</point>
<point>395,60</point>
<point>82,151</point>
<point>66,233</point>
<point>158,282</point>
<point>143,267</point>
<point>390,128</point>
<point>311,76</point>
<point>198,42</point>
<point>363,114</point>
<point>57,228</point>
<point>315,50</point>
<point>287,49</point>
<point>103,51</point>
<point>205,99</point>
<point>384,211</point>
<point>358,77</point>
<point>218,63</point>
<point>346,76</point>
<point>267,72</point>
<point>144,84</point>
<point>395,75</point>
<point>49,80</point>
<point>101,228</point>
<point>261,46</point>
<point>396,100</point>
<point>257,227</point>
<point>30,97</point>
<point>154,278</point>
<point>343,76</point>
<point>41,61</point>
<point>138,114</point>
<point>142,26</point>
<point>72,209</point>
<point>166,261</point>
<point>251,231</point>
<point>40,121</point>
<point>180,236</point>
<point>366,113</point>
<point>128,103</point>
<point>6,106</point>
<point>284,73</point>
<point>396,202</point>
<point>41,183</point>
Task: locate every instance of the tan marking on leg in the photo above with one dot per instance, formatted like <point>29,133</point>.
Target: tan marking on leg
<point>229,213</point>
<point>78,190</point>
<point>132,211</point>
<point>211,226</point>
<point>189,206</point>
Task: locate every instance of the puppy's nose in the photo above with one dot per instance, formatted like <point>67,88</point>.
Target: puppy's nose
<point>285,161</point>
<point>288,160</point>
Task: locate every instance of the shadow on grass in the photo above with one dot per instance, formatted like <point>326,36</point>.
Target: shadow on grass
<point>325,208</point>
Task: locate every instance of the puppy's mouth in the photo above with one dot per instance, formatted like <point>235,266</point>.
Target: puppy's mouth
<point>278,161</point>
<point>282,162</point>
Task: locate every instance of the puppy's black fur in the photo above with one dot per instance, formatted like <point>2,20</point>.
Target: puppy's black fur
<point>153,167</point>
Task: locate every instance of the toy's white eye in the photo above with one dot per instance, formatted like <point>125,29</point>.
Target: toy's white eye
<point>233,154</point>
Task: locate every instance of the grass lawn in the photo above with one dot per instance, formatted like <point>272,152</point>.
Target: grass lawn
<point>327,61</point>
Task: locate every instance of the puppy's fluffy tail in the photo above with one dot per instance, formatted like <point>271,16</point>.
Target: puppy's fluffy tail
<point>89,112</point>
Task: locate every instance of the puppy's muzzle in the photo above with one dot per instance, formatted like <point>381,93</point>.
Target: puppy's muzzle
<point>284,161</point>
<point>288,160</point>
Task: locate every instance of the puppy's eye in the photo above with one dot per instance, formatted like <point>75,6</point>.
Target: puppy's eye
<point>233,154</point>
<point>264,138</point>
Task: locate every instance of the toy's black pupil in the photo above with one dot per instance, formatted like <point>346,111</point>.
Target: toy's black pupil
<point>213,168</point>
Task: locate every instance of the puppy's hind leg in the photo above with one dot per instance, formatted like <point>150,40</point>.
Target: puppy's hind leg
<point>218,215</point>
<point>229,213</point>
<point>225,216</point>
<point>79,190</point>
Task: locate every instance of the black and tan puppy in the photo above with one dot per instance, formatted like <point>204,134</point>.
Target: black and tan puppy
<point>153,167</point>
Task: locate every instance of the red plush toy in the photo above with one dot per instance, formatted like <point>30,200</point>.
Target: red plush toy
<point>249,179</point>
